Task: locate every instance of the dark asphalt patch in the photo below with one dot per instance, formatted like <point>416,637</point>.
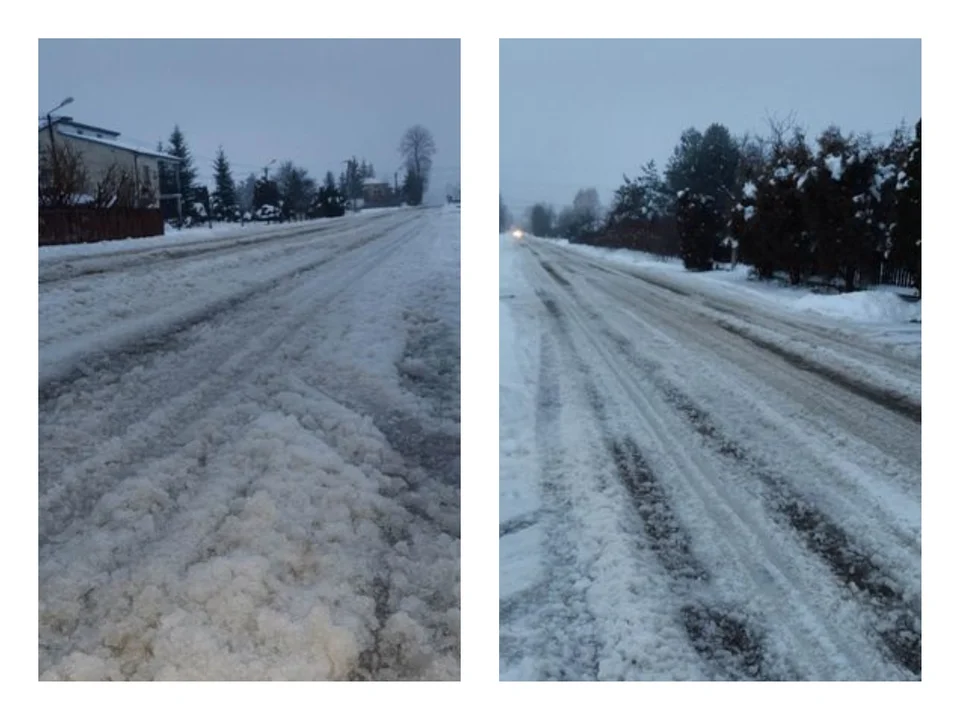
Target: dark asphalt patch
<point>727,641</point>
<point>667,538</point>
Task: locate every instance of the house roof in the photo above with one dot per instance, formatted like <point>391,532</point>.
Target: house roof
<point>58,119</point>
<point>373,181</point>
<point>119,144</point>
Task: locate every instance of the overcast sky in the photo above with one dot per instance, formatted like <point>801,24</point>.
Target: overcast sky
<point>581,113</point>
<point>315,102</point>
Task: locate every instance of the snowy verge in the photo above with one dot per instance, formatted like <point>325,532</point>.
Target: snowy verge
<point>190,236</point>
<point>883,305</point>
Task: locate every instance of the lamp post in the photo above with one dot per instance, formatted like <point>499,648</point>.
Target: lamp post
<point>266,167</point>
<point>351,190</point>
<point>53,148</point>
<point>66,101</point>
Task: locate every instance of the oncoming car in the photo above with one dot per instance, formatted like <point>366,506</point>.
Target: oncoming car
<point>517,234</point>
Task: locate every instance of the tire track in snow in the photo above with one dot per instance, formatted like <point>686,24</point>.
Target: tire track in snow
<point>896,618</point>
<point>170,424</point>
<point>200,542</point>
<point>724,638</point>
<point>565,646</point>
<point>126,349</point>
<point>907,407</point>
<point>568,626</point>
<point>150,258</point>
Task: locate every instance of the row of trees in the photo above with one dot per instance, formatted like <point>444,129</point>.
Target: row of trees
<point>290,194</point>
<point>845,208</point>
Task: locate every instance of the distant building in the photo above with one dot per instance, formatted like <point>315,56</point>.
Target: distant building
<point>101,148</point>
<point>376,193</point>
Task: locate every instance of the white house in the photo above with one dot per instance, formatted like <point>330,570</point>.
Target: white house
<point>102,148</point>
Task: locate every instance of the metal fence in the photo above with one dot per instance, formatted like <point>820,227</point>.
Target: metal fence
<point>67,226</point>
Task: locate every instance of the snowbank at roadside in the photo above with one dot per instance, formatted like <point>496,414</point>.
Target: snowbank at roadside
<point>219,231</point>
<point>869,306</point>
<point>883,305</point>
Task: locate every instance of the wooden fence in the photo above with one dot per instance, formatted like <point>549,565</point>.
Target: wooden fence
<point>67,226</point>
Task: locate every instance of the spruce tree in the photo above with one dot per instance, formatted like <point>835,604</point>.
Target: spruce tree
<point>906,250</point>
<point>177,146</point>
<point>225,193</point>
<point>413,187</point>
<point>328,201</point>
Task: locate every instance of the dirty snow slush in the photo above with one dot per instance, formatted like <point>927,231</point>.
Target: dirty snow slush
<point>682,502</point>
<point>249,458</point>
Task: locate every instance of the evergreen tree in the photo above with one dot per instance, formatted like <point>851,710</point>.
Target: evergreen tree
<point>328,200</point>
<point>699,224</point>
<point>225,193</point>
<point>177,146</point>
<point>413,187</point>
<point>266,194</point>
<point>542,220</point>
<point>200,210</point>
<point>351,180</point>
<point>297,189</point>
<point>704,167</point>
<point>906,248</point>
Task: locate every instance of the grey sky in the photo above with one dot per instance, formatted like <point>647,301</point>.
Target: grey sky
<point>315,102</point>
<point>580,113</point>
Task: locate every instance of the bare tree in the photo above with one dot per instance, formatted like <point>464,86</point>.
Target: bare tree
<point>63,176</point>
<point>116,187</point>
<point>781,127</point>
<point>418,148</point>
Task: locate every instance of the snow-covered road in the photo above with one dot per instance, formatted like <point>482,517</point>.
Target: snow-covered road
<point>249,454</point>
<point>697,486</point>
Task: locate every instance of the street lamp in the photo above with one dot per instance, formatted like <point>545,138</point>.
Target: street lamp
<point>265,168</point>
<point>351,190</point>
<point>66,101</point>
<point>53,148</point>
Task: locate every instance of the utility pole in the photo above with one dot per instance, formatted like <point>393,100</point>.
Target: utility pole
<point>351,190</point>
<point>136,181</point>
<point>179,199</point>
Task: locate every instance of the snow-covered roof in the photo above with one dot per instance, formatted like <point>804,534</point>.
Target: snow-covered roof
<point>119,144</point>
<point>374,181</point>
<point>67,120</point>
